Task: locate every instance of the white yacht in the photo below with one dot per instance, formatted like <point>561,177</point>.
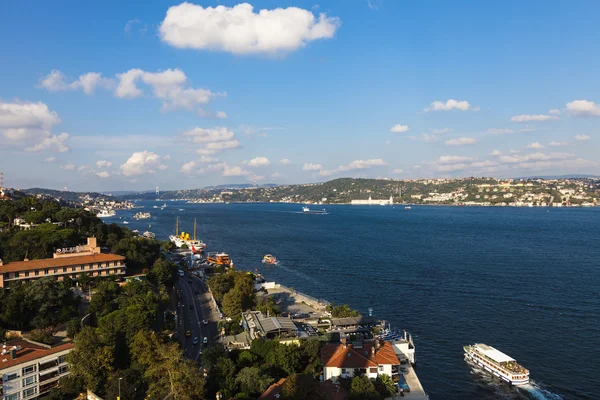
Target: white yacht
<point>106,213</point>
<point>497,363</point>
<point>142,215</point>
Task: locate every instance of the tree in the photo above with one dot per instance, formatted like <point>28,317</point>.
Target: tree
<point>362,388</point>
<point>167,246</point>
<point>219,286</point>
<point>246,359</point>
<point>104,299</point>
<point>73,327</point>
<point>222,377</point>
<point>252,381</point>
<point>301,387</point>
<point>385,386</point>
<point>342,311</point>
<point>42,336</point>
<point>91,360</point>
<point>132,385</point>
<point>163,272</point>
<point>311,357</point>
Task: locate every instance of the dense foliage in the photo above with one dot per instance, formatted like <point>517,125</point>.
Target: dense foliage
<point>234,291</point>
<point>342,311</point>
<point>38,304</point>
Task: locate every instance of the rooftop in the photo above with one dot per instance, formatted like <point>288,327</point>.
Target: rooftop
<point>350,356</point>
<point>362,320</point>
<point>30,265</point>
<point>493,353</point>
<point>28,352</point>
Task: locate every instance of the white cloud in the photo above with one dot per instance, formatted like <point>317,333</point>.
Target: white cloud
<point>495,153</point>
<point>221,114</point>
<point>532,118</point>
<point>50,160</point>
<point>496,131</point>
<point>398,171</point>
<point>354,165</point>
<point>461,141</point>
<point>103,164</point>
<point>141,163</point>
<point>218,146</point>
<point>427,138</point>
<point>259,162</point>
<point>207,159</point>
<point>234,170</point>
<point>583,108</point>
<point>374,4</point>
<point>27,116</point>
<point>201,135</point>
<point>208,114</point>
<point>558,144</point>
<point>441,131</point>
<point>68,167</point>
<point>53,142</point>
<point>554,111</point>
<point>189,168</point>
<point>535,145</point>
<point>514,159</point>
<point>170,86</point>
<point>285,161</point>
<point>205,152</point>
<point>312,167</point>
<point>56,81</point>
<point>451,105</point>
<point>103,174</point>
<point>239,30</point>
<point>276,175</point>
<point>399,128</point>
<point>130,24</point>
<point>453,159</point>
<point>582,138</point>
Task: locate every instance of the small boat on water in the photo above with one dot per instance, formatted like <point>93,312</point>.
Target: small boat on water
<point>307,210</point>
<point>408,208</point>
<point>219,259</point>
<point>269,259</point>
<point>142,215</point>
<point>125,222</point>
<point>106,213</point>
<point>496,363</point>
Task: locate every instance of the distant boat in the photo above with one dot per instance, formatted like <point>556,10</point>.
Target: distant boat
<point>307,210</point>
<point>269,259</point>
<point>408,208</point>
<point>148,235</point>
<point>106,213</point>
<point>125,223</point>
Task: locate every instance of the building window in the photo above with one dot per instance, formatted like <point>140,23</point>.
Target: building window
<point>26,274</point>
<point>381,368</point>
<point>62,359</point>
<point>73,269</point>
<point>29,392</point>
<point>46,271</point>
<point>82,267</point>
<point>65,269</point>
<point>343,370</point>
<point>30,380</point>
<point>63,370</point>
<point>16,274</point>
<point>373,370</point>
<point>29,369</point>
<point>56,270</point>
<point>15,396</point>
<point>37,273</point>
<point>10,377</point>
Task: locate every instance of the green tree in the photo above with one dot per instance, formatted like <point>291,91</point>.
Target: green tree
<point>385,386</point>
<point>342,311</point>
<point>73,327</point>
<point>219,286</point>
<point>104,298</point>
<point>132,385</point>
<point>252,381</point>
<point>167,246</point>
<point>362,388</point>
<point>163,272</point>
<point>301,387</point>
<point>91,360</point>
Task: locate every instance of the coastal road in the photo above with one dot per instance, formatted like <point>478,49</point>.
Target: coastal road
<point>192,291</point>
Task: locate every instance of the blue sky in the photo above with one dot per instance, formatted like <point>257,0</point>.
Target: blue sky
<point>189,95</point>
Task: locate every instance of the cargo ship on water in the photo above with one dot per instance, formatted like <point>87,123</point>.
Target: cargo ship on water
<point>497,363</point>
<point>306,210</point>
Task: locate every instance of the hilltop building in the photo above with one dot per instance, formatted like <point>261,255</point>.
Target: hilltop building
<point>69,262</point>
<point>29,370</point>
<point>371,202</point>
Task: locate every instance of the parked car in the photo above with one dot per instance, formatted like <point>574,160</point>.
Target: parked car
<point>205,340</point>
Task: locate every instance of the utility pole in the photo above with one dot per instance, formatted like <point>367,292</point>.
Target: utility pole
<point>119,398</point>
<point>1,180</point>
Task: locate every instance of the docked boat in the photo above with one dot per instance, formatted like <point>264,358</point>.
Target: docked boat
<point>219,259</point>
<point>163,206</point>
<point>142,215</point>
<point>106,213</point>
<point>497,363</point>
<point>269,259</point>
<point>149,235</point>
<point>125,222</point>
<point>307,210</point>
<point>179,239</point>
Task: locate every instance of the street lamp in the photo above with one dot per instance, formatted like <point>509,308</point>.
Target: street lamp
<point>119,398</point>
<point>219,396</point>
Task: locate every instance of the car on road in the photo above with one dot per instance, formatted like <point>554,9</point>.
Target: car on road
<point>188,333</point>
<point>205,322</point>
<point>205,340</point>
<point>195,342</point>
<point>180,273</point>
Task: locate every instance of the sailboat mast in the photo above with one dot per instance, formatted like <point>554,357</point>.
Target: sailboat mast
<point>194,228</point>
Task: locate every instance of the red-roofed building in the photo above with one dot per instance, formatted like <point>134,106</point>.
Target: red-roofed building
<point>330,390</point>
<point>347,360</point>
<point>29,370</point>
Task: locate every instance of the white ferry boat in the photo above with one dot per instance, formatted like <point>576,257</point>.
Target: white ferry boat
<point>142,215</point>
<point>179,239</point>
<point>307,210</point>
<point>497,363</point>
<point>106,213</point>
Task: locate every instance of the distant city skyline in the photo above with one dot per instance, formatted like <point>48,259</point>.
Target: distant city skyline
<point>176,95</point>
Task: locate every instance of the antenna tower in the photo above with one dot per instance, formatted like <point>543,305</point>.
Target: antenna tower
<point>1,180</point>
<point>254,180</point>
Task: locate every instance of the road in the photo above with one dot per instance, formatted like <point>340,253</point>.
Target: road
<point>192,292</point>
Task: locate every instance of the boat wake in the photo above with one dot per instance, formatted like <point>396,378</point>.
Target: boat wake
<point>534,391</point>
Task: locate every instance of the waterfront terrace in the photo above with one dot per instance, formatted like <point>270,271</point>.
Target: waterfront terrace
<point>71,263</point>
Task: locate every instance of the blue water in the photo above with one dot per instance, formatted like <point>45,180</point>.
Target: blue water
<point>525,280</point>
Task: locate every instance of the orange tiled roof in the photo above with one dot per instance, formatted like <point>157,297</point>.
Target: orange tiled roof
<point>18,266</point>
<point>273,390</point>
<point>29,352</point>
<point>335,355</point>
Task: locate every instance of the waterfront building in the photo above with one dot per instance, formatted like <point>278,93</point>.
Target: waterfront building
<point>29,370</point>
<point>347,360</point>
<point>258,326</point>
<point>370,202</point>
<point>68,262</point>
